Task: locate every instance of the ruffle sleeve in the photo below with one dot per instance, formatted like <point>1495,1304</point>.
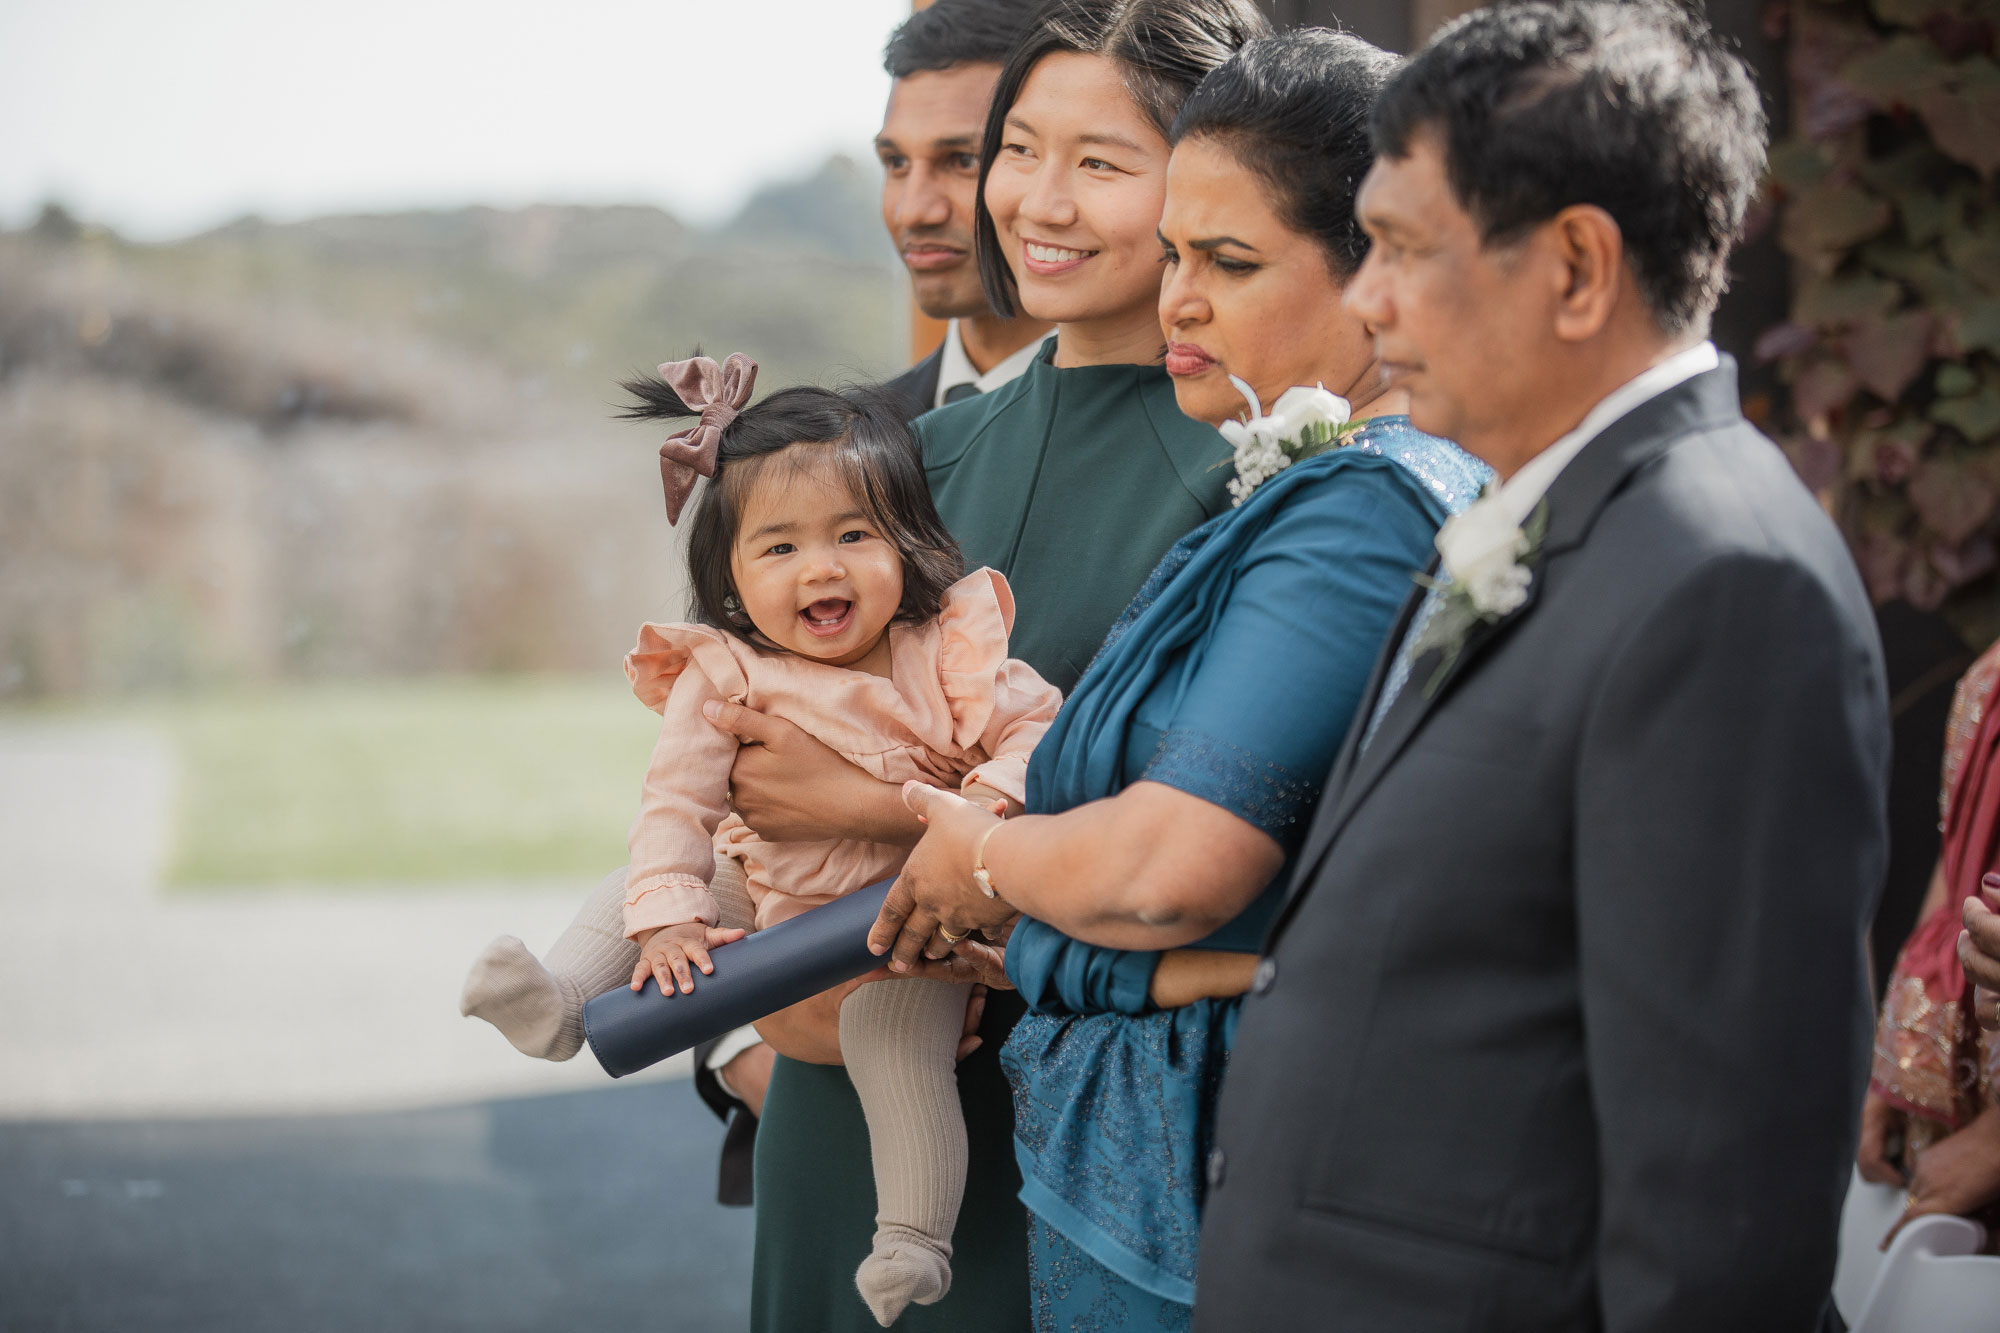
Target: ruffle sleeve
<point>675,670</point>
<point>1023,707</point>
<point>665,651</point>
<point>973,624</point>
<point>998,704</point>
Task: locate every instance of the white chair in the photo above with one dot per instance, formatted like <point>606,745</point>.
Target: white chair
<point>1932,1281</point>
<point>1869,1213</point>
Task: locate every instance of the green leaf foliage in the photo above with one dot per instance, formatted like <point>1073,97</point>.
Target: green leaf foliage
<point>1897,70</point>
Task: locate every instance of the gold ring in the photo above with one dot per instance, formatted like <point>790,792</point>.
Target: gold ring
<point>950,938</point>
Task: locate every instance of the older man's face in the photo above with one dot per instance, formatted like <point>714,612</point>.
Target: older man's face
<point>929,149</point>
<point>1465,327</point>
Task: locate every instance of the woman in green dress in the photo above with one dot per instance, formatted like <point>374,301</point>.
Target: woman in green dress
<point>1072,481</point>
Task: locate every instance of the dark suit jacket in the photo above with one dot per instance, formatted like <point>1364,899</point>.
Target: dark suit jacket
<point>1566,1022</point>
<point>916,389</point>
<point>917,386</point>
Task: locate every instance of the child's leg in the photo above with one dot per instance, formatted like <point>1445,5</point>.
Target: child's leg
<point>539,1005</point>
<point>900,1042</point>
<point>731,887</point>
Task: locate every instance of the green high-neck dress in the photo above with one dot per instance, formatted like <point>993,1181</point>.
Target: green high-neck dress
<point>1073,483</point>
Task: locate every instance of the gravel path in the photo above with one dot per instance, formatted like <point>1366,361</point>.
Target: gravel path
<point>123,1001</point>
<point>252,1111</point>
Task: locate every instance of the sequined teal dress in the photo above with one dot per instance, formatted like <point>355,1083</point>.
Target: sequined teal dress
<point>1232,676</point>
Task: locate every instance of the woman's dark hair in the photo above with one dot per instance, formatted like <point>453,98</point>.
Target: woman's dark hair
<point>957,32</point>
<point>1162,48</point>
<point>1294,108</point>
<point>861,436</point>
<point>1638,108</point>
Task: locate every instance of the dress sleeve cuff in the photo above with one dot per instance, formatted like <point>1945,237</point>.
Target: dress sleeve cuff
<point>1261,792</point>
<point>1056,974</point>
<point>668,900</point>
<point>1007,775</point>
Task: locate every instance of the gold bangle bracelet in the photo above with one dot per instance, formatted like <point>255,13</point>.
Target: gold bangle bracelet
<point>979,872</point>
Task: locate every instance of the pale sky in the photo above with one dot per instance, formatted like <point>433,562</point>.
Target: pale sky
<point>163,117</point>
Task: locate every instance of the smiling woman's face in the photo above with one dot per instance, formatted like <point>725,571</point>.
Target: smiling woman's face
<point>1075,195</point>
<point>1247,295</point>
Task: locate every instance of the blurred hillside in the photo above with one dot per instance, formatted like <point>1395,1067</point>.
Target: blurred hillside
<point>381,444</point>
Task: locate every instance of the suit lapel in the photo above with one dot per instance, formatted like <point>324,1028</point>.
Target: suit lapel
<point>916,388</point>
<point>1343,765</point>
<point>1425,689</point>
<point>1575,500</point>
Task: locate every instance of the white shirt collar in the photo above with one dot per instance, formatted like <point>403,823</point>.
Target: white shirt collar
<point>956,368</point>
<point>1521,492</point>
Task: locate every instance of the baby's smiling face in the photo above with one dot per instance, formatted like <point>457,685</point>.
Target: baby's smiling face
<point>815,574</point>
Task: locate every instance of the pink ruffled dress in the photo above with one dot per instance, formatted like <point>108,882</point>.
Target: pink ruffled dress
<point>954,709</point>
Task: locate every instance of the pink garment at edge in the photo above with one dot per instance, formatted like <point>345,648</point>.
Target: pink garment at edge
<point>955,708</point>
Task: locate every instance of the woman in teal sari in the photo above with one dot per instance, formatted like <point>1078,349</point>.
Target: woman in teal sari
<point>1167,799</point>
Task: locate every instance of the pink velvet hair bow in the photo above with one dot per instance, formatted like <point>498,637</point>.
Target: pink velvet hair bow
<point>718,393</point>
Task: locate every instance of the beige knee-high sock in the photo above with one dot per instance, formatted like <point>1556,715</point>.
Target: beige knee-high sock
<point>731,888</point>
<point>538,1005</point>
<point>540,1008</point>
<point>900,1042</point>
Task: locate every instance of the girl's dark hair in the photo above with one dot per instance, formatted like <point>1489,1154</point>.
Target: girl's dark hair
<point>1294,109</point>
<point>1162,48</point>
<point>861,435</point>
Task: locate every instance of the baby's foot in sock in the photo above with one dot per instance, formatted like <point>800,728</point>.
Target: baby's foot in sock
<point>903,1271</point>
<point>540,1012</point>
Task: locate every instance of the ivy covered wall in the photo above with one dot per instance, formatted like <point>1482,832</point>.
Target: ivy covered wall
<point>1884,195</point>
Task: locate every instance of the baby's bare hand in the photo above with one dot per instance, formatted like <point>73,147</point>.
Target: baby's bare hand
<point>981,794</point>
<point>671,953</point>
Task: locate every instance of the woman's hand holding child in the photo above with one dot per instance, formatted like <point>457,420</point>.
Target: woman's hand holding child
<point>936,888</point>
<point>789,786</point>
<point>665,954</point>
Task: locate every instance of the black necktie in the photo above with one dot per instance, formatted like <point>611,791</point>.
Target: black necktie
<point>958,393</point>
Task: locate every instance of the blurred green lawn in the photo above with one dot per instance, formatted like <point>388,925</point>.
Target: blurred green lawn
<point>404,780</point>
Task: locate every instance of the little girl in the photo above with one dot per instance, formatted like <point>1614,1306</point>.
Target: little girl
<point>829,594</point>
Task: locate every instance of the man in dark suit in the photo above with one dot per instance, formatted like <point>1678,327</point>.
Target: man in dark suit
<point>1565,1022</point>
<point>944,62</point>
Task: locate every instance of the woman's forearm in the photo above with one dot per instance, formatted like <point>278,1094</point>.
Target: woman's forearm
<point>879,815</point>
<point>1186,975</point>
<point>1149,868</point>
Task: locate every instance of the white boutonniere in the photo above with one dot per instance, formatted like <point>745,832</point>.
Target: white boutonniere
<point>1486,567</point>
<point>1303,423</point>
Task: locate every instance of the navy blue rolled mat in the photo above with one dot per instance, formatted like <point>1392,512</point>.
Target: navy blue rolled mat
<point>758,975</point>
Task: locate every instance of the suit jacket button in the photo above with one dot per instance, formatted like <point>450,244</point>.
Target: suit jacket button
<point>1265,977</point>
<point>1217,1167</point>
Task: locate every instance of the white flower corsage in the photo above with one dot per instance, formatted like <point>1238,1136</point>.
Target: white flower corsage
<point>1486,567</point>
<point>1303,423</point>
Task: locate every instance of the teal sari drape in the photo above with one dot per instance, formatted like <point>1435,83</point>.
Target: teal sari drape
<point>1233,676</point>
